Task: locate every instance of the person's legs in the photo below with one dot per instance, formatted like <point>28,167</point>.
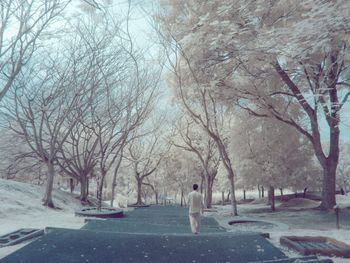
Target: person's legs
<point>195,222</point>
<point>193,228</point>
<point>197,219</point>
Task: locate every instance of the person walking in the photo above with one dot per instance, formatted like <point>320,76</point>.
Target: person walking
<point>195,209</point>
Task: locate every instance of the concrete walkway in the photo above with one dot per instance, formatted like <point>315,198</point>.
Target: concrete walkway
<point>153,234</point>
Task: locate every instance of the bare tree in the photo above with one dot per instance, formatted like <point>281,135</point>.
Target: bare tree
<point>115,173</point>
<point>145,155</point>
<point>204,148</point>
<point>154,184</point>
<point>98,64</point>
<point>44,110</point>
<point>123,98</point>
<point>113,122</point>
<point>200,104</point>
<point>17,161</point>
<point>22,22</point>
<point>180,171</point>
<point>78,157</point>
<point>212,122</point>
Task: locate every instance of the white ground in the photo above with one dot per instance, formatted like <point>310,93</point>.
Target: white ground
<point>20,207</point>
<point>294,220</point>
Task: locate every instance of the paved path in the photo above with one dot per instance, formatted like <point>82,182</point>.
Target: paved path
<point>154,234</point>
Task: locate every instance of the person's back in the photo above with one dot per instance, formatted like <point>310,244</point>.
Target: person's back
<point>195,202</point>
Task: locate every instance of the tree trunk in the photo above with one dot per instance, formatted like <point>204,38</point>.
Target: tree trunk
<point>281,192</point>
<point>47,199</point>
<point>233,198</point>
<point>182,197</point>
<point>244,194</point>
<point>344,185</point>
<point>210,197</point>
<point>201,186</point>
<point>87,186</point>
<point>230,173</point>
<point>272,198</point>
<point>156,196</point>
<point>329,187</point>
<point>210,192</point>
<point>329,163</point>
<point>100,190</point>
<point>262,192</point>
<point>83,189</point>
<point>71,185</point>
<point>114,186</point>
<point>304,192</point>
<point>228,196</point>
<point>115,174</point>
<point>342,192</point>
<point>206,187</point>
<point>175,195</point>
<point>223,197</point>
<point>139,188</point>
<point>259,191</point>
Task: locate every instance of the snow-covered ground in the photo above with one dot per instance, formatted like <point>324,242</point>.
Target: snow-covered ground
<point>297,218</point>
<point>20,207</point>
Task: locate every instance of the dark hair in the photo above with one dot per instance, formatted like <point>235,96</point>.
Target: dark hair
<point>195,186</point>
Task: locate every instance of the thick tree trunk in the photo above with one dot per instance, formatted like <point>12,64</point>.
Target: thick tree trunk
<point>329,163</point>
<point>209,191</point>
<point>47,199</point>
<point>83,190</point>
<point>244,194</point>
<point>87,186</point>
<point>209,197</point>
<point>114,186</point>
<point>272,198</point>
<point>100,190</point>
<point>139,188</point>
<point>262,192</point>
<point>329,187</point>
<point>230,173</point>
<point>233,198</point>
